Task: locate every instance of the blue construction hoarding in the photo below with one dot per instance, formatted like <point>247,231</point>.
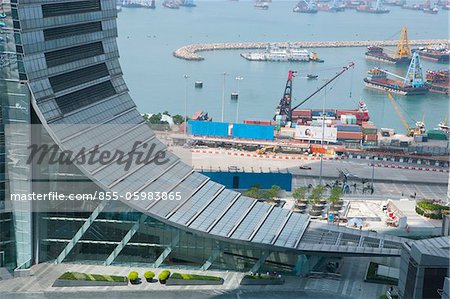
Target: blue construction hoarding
<point>245,180</point>
<point>250,131</point>
<point>208,128</point>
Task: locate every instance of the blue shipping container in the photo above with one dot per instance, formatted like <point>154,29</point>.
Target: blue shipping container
<point>349,128</point>
<point>253,131</point>
<point>208,128</point>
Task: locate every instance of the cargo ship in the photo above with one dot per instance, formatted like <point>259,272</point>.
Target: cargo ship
<point>377,79</point>
<point>438,81</point>
<point>187,3</point>
<point>439,53</point>
<point>305,6</point>
<point>402,53</point>
<point>261,5</point>
<point>138,4</point>
<point>290,54</point>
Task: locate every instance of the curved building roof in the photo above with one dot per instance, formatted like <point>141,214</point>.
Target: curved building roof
<point>71,61</point>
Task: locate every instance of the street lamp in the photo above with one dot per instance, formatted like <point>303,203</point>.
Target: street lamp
<point>238,79</point>
<point>223,94</point>
<point>186,77</point>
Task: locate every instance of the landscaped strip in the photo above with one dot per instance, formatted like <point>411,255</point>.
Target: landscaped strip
<point>193,279</point>
<point>261,279</point>
<point>70,279</point>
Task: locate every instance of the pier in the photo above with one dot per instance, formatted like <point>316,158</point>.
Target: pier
<point>190,52</point>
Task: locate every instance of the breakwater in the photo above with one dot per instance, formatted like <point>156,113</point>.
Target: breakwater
<point>190,52</point>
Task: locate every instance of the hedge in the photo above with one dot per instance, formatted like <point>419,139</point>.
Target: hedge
<point>193,277</point>
<point>262,276</point>
<point>164,275</point>
<point>91,277</point>
<point>430,210</point>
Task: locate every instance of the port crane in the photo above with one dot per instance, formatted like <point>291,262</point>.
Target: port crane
<point>414,75</point>
<point>420,125</point>
<point>285,106</point>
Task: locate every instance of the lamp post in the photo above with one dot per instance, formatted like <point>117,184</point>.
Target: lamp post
<point>223,95</point>
<point>238,79</point>
<point>186,77</point>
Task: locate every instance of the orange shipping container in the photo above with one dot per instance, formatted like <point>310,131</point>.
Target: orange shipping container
<point>349,135</point>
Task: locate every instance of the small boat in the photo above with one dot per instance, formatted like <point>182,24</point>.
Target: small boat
<point>198,84</point>
<point>171,4</point>
<point>261,5</point>
<point>312,76</point>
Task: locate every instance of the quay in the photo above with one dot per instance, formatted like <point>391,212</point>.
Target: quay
<point>190,52</point>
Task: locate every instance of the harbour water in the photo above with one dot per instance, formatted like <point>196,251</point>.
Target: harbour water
<point>147,39</point>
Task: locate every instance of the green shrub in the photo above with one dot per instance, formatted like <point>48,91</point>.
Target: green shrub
<point>164,275</point>
<point>149,275</point>
<point>133,275</point>
<point>91,277</point>
<point>430,210</point>
<point>193,277</point>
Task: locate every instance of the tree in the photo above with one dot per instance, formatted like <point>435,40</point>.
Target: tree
<point>253,192</point>
<point>178,119</point>
<point>166,113</point>
<point>335,194</point>
<point>316,194</point>
<point>272,192</point>
<point>299,193</point>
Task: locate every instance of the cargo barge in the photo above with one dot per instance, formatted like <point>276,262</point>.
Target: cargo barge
<point>377,79</point>
<point>438,81</point>
<point>439,53</point>
<point>402,54</point>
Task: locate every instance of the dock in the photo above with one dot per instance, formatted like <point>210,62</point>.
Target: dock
<point>191,52</point>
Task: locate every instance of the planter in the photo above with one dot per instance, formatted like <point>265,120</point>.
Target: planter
<point>183,282</point>
<point>162,281</point>
<point>136,281</point>
<point>318,207</point>
<point>258,281</point>
<point>315,212</point>
<point>151,280</point>
<point>87,283</point>
<point>300,206</point>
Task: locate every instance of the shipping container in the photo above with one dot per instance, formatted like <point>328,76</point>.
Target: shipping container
<point>258,122</point>
<point>370,137</point>
<point>208,128</point>
<point>249,131</point>
<point>301,114</point>
<point>342,135</point>
<point>320,113</point>
<point>348,128</point>
<point>437,135</point>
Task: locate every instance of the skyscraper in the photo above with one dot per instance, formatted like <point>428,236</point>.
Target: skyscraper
<point>63,78</point>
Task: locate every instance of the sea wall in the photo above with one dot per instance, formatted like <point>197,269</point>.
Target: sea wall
<point>190,52</point>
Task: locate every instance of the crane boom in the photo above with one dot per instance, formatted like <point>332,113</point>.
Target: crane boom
<point>400,115</point>
<point>389,73</point>
<point>323,86</point>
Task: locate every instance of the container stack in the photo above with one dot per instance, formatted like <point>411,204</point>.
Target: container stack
<point>351,133</point>
<point>348,119</point>
<point>370,133</point>
<point>302,116</point>
<point>258,122</point>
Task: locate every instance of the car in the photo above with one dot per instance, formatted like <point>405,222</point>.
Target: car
<point>305,167</point>
<point>233,168</point>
